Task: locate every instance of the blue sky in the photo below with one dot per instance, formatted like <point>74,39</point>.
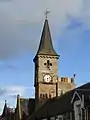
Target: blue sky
<point>20,29</point>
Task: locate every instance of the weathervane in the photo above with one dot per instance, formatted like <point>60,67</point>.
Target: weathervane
<point>46,13</point>
<point>5,101</point>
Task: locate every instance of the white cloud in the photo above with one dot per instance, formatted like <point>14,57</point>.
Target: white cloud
<point>10,94</point>
<point>1,106</point>
<point>21,21</point>
<point>13,91</point>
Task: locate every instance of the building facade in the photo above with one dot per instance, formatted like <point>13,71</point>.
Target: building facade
<point>73,105</point>
<point>47,82</point>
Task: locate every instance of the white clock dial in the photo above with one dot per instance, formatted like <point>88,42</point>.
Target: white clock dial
<point>47,78</point>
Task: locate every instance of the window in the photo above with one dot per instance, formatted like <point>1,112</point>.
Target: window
<point>88,113</point>
<point>49,95</point>
<point>62,92</point>
<point>83,114</point>
<point>44,96</point>
<point>59,92</point>
<point>77,108</point>
<point>41,95</point>
<point>52,118</point>
<point>60,117</point>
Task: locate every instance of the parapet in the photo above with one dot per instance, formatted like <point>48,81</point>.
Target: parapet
<point>67,80</point>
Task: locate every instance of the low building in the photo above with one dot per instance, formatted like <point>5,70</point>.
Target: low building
<point>73,105</point>
<point>8,113</point>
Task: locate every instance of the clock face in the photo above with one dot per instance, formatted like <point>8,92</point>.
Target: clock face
<point>47,78</point>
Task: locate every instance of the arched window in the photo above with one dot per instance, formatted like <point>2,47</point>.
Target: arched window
<point>41,95</point>
<point>49,95</point>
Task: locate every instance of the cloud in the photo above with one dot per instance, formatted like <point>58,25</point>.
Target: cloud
<point>2,91</point>
<point>74,23</point>
<point>1,106</point>
<point>13,91</point>
<point>21,22</point>
<point>10,93</point>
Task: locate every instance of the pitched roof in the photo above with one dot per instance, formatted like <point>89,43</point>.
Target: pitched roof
<point>58,105</point>
<point>27,105</point>
<point>31,105</point>
<point>46,46</point>
<point>76,97</point>
<point>5,110</point>
<point>85,92</point>
<point>84,86</point>
<point>54,107</point>
<point>24,106</point>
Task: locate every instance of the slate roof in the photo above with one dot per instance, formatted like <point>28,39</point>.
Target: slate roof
<point>84,92</point>
<point>8,113</point>
<point>46,46</point>
<point>58,105</point>
<point>84,86</point>
<point>31,105</point>
<point>27,105</point>
<point>54,106</point>
<point>6,110</point>
<point>24,105</point>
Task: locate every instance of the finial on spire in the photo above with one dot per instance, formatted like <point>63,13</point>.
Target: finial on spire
<point>46,13</point>
<point>5,101</point>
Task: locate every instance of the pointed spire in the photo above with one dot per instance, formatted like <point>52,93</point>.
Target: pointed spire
<point>46,46</point>
<point>5,110</point>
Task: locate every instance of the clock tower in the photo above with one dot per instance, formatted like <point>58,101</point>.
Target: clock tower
<point>46,68</point>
